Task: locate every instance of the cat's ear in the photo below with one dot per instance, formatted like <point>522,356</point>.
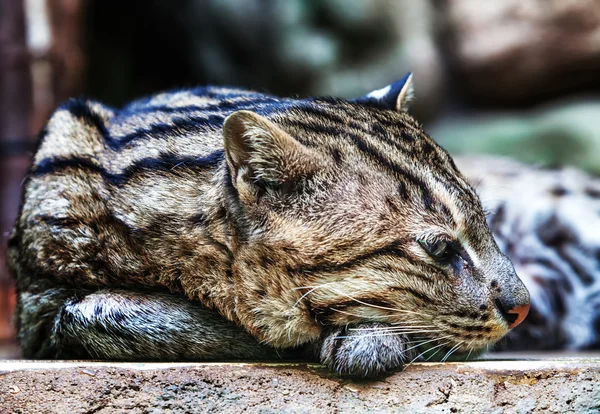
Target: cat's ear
<point>260,153</point>
<point>396,96</point>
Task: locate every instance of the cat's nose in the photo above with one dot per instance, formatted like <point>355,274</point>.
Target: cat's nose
<point>512,315</point>
<point>512,297</point>
<point>521,311</point>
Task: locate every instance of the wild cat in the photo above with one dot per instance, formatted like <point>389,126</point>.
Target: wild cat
<point>325,224</point>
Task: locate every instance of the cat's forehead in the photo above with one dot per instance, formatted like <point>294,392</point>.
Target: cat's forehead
<point>364,143</point>
<point>381,164</point>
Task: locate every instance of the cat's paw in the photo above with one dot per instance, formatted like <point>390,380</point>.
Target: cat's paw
<point>363,350</point>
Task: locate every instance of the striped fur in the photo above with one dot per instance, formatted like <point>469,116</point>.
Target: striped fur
<point>291,218</point>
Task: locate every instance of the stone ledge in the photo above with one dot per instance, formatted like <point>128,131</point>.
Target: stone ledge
<point>502,386</point>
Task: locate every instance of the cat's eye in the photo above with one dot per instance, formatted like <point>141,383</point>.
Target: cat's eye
<point>438,249</point>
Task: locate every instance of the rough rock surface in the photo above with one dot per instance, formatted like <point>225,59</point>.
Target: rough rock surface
<point>551,386</point>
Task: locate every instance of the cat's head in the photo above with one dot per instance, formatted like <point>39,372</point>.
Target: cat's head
<point>347,212</point>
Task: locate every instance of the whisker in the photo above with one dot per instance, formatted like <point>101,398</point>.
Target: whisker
<point>309,292</point>
<point>471,349</point>
<point>391,328</point>
<point>426,342</point>
<point>361,316</point>
<point>371,305</point>
<point>303,287</point>
<point>383,334</point>
<point>422,338</point>
<point>452,350</point>
<point>447,353</point>
<point>424,352</point>
<point>432,355</point>
<point>177,165</point>
<point>456,349</point>
<point>313,288</point>
<point>407,330</point>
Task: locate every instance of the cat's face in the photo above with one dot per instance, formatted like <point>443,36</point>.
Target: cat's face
<point>349,213</point>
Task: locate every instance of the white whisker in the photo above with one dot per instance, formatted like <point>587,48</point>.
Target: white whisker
<point>303,287</point>
<point>374,306</point>
<point>421,340</point>
<point>391,328</point>
<point>384,334</point>
<point>312,289</point>
<point>367,304</point>
<point>426,342</point>
<point>405,331</point>
<point>432,355</point>
<point>361,316</point>
<point>452,350</point>
<point>424,352</point>
<point>325,285</point>
<point>470,348</point>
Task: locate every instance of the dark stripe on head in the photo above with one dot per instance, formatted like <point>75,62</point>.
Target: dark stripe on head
<point>392,205</point>
<point>337,156</point>
<point>409,179</point>
<point>332,115</point>
<point>428,201</point>
<point>393,249</point>
<point>406,136</point>
<point>380,159</point>
<point>421,296</point>
<point>313,126</point>
<point>373,124</point>
<point>402,191</point>
<point>447,214</point>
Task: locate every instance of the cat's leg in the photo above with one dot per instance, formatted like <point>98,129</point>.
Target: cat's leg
<point>364,350</point>
<point>67,323</point>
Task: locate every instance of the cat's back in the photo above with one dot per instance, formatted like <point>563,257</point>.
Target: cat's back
<point>182,122</point>
<point>105,181</point>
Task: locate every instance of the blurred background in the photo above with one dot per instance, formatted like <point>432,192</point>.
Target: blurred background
<point>512,77</point>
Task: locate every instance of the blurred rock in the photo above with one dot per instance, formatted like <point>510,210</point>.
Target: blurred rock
<point>565,134</point>
<point>286,47</point>
<point>515,50</point>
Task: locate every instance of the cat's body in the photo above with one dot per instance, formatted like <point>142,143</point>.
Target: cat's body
<point>291,218</point>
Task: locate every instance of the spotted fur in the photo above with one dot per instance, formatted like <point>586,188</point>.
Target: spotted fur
<point>547,221</point>
<point>294,219</point>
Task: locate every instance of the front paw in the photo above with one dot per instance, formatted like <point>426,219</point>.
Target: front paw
<point>363,351</point>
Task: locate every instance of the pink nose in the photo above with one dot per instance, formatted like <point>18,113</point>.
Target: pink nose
<point>521,311</point>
